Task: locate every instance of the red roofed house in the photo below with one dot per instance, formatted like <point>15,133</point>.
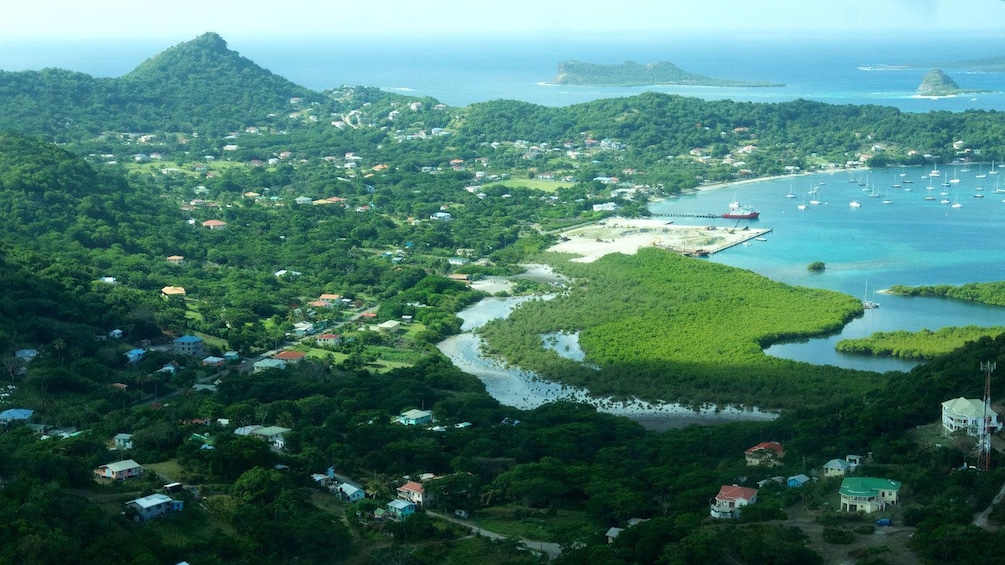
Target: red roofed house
<point>289,356</point>
<point>328,339</point>
<point>214,224</point>
<point>768,453</point>
<point>413,492</point>
<point>730,499</point>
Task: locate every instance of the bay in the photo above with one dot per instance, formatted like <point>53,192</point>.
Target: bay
<point>910,241</point>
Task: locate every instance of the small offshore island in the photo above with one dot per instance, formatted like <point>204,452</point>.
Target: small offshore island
<point>938,83</point>
<point>629,73</point>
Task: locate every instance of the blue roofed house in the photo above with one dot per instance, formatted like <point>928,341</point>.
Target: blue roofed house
<point>15,415</point>
<point>838,468</point>
<point>415,417</point>
<point>797,481</point>
<point>154,506</point>
<point>135,355</point>
<point>400,509</point>
<point>123,441</point>
<point>188,345</point>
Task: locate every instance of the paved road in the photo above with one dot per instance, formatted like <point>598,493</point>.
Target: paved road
<point>981,518</point>
<point>553,550</point>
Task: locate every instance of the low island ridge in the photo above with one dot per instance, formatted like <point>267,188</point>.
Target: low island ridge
<point>629,73</point>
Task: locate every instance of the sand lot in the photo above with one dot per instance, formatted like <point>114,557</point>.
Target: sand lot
<point>624,235</point>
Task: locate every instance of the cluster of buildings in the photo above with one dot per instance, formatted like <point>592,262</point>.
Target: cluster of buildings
<point>960,416</point>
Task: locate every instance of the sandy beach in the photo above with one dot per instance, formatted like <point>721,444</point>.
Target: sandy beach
<point>627,235</point>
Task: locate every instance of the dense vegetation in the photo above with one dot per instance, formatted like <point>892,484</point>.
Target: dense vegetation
<point>924,344</point>
<point>992,293</point>
<point>656,325</point>
<point>663,326</point>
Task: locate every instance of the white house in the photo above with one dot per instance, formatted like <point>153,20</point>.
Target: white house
<point>730,499</point>
<point>414,492</point>
<point>123,441</point>
<point>154,506</point>
<point>967,415</point>
<point>350,493</point>
<point>868,494</point>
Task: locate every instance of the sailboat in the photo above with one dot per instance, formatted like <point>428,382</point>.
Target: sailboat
<point>993,171</point>
<point>935,172</point>
<point>886,199</point>
<point>803,205</point>
<point>790,194</point>
<point>956,203</point>
<point>866,303</point>
<point>980,172</point>
<point>954,180</point>
<point>814,192</point>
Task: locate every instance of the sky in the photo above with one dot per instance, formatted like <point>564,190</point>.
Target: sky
<point>181,20</point>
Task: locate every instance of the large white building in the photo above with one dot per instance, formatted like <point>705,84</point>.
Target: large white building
<point>967,415</point>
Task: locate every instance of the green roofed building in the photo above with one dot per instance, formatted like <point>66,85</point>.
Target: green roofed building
<point>868,494</point>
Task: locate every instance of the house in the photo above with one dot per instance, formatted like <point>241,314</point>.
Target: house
<point>390,326</point>
<point>968,416</point>
<point>330,297</point>
<point>413,491</point>
<point>349,493</point>
<point>246,430</point>
<point>214,361</point>
<point>767,453</point>
<point>837,468</point>
<point>26,355</point>
<point>289,356</point>
<point>154,506</point>
<point>119,470</point>
<point>613,533</point>
<point>115,334</point>
<point>441,216</point>
<point>303,200</point>
<point>134,355</point>
<point>214,224</point>
<point>400,509</point>
<point>303,328</point>
<point>868,494</point>
<point>169,291</point>
<point>415,417</point>
<point>176,260</point>
<point>328,339</point>
<point>266,364</point>
<point>123,441</point>
<point>272,434</point>
<point>188,345</point>
<point>15,415</point>
<point>232,356</point>
<point>797,481</point>
<point>730,499</point>
<point>169,367</point>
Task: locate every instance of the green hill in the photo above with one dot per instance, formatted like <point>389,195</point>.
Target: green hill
<point>199,85</point>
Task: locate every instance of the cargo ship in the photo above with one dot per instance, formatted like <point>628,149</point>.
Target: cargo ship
<point>740,212</point>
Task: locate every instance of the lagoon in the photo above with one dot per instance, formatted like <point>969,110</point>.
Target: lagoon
<point>523,389</point>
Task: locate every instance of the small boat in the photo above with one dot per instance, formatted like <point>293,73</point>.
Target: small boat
<point>854,204</point>
<point>866,303</point>
<point>897,185</point>
<point>760,239</point>
<point>929,197</point>
<point>978,195</point>
<point>907,181</point>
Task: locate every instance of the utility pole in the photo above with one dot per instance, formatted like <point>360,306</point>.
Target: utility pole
<point>984,461</point>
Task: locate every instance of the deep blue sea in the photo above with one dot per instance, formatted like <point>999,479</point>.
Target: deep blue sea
<point>910,241</point>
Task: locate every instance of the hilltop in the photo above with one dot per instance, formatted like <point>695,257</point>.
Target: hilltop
<point>629,73</point>
<point>198,84</point>
<point>938,83</point>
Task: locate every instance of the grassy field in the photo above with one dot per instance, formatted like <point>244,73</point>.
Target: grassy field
<point>536,184</point>
<point>504,520</point>
<point>169,470</point>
